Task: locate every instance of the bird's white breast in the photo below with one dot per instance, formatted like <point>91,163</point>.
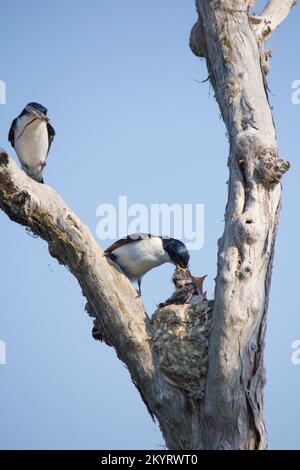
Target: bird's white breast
<point>137,258</point>
<point>31,143</point>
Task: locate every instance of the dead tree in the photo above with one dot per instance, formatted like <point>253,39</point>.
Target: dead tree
<point>198,368</point>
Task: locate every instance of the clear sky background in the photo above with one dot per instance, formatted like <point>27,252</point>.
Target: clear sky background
<point>132,118</point>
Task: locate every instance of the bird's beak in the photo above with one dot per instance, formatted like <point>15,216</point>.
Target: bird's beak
<point>181,268</point>
<point>199,283</point>
<point>42,117</point>
<point>38,115</point>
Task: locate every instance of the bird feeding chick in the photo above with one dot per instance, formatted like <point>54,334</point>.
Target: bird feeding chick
<point>31,135</point>
<point>188,288</point>
<point>138,253</point>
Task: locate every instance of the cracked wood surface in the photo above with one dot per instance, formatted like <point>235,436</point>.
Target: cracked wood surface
<point>233,407</point>
<point>231,414</point>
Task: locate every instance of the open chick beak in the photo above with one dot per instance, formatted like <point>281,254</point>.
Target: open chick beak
<point>181,268</point>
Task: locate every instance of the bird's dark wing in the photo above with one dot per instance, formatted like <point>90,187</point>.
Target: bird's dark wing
<point>11,134</point>
<point>127,240</point>
<point>51,134</point>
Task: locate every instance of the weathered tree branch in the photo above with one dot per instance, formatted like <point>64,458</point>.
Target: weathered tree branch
<point>120,317</point>
<point>273,15</point>
<point>200,404</point>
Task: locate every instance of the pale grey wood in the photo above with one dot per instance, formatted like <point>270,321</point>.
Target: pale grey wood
<point>232,414</point>
<point>227,412</point>
<point>272,16</point>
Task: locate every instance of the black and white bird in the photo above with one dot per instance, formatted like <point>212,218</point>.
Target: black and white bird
<point>138,253</point>
<point>31,135</point>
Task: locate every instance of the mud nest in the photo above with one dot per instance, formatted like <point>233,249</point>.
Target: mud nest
<point>180,336</point>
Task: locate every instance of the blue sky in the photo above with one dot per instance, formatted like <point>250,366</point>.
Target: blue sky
<point>132,118</point>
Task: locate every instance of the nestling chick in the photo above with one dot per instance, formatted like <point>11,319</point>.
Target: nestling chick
<point>188,288</point>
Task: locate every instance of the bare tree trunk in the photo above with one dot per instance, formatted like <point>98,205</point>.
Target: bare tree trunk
<point>233,409</point>
<point>201,401</point>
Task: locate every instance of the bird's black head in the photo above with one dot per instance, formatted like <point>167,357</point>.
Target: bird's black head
<point>35,109</point>
<point>177,251</point>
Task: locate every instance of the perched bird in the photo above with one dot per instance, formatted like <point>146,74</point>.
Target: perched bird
<point>188,288</point>
<point>138,253</point>
<point>31,135</point>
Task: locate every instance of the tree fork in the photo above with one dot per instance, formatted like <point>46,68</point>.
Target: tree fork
<point>228,413</point>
